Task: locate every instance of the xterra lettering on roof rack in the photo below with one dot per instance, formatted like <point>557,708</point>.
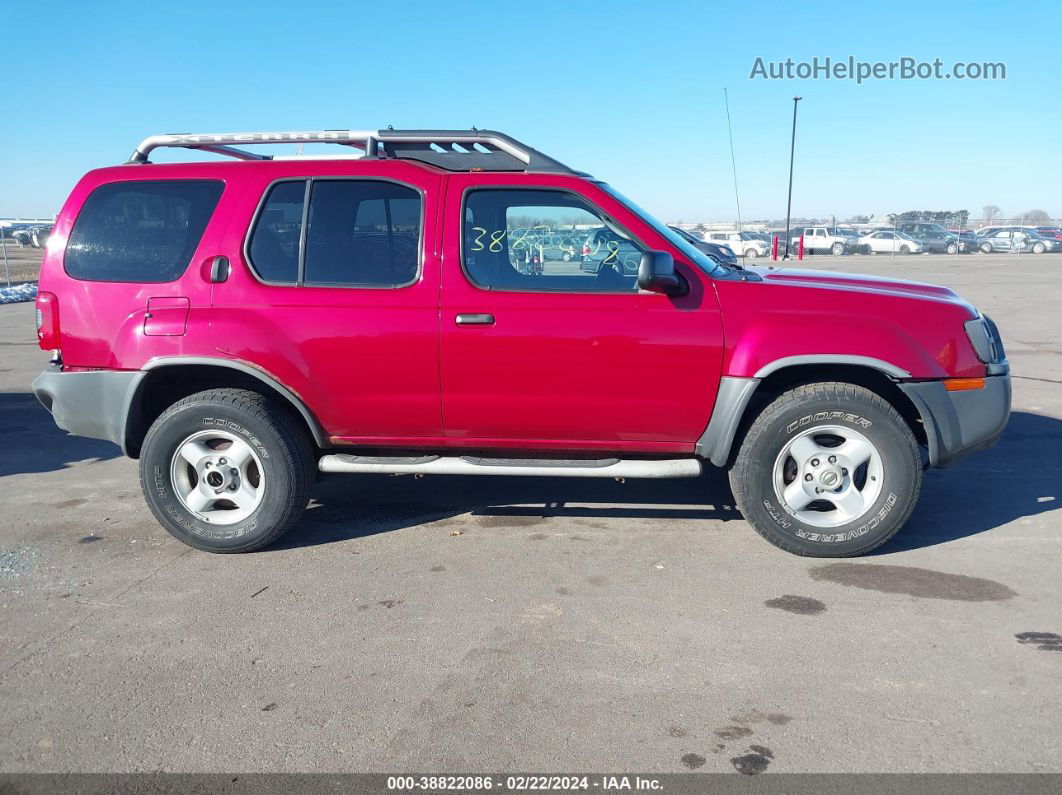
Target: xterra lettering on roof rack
<point>453,150</point>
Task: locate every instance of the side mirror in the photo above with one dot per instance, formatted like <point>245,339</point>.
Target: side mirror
<point>656,273</point>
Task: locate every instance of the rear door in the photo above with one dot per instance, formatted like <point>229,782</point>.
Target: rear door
<point>333,290</point>
<point>572,356</point>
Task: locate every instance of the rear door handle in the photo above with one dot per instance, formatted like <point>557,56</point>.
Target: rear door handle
<point>219,269</point>
<point>475,320</point>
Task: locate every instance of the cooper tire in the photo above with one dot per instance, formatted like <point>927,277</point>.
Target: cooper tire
<point>798,413</point>
<point>279,461</point>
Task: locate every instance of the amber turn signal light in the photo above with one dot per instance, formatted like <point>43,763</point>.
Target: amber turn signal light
<point>960,384</point>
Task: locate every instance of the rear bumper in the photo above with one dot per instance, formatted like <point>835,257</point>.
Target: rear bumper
<point>93,403</point>
<point>957,423</point>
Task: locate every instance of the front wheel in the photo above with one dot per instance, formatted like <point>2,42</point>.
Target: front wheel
<point>226,470</point>
<point>1039,248</point>
<point>751,253</point>
<point>952,248</point>
<point>986,248</point>
<point>827,470</point>
<point>905,249</point>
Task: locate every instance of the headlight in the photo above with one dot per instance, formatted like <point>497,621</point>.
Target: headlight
<point>984,336</point>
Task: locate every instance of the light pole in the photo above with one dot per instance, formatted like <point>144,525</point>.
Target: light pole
<point>789,202</point>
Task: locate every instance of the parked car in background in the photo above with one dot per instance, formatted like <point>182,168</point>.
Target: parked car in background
<point>1050,232</point>
<point>937,242</point>
<point>21,237</point>
<point>886,241</point>
<point>744,244</point>
<point>968,241</point>
<point>548,245</point>
<point>39,235</point>
<point>719,252</point>
<point>821,240</point>
<point>1018,240</point>
<point>607,248</point>
<point>922,229</point>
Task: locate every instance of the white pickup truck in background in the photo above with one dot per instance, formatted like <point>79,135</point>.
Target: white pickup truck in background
<point>822,240</point>
<point>744,244</point>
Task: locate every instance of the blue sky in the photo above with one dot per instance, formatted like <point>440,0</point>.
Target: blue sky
<point>629,91</point>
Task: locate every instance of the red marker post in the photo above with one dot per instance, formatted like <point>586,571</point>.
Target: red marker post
<point>800,251</point>
<point>774,248</point>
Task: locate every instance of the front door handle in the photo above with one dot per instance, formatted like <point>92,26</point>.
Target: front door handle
<point>475,320</point>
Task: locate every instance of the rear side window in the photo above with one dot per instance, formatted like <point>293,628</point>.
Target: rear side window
<point>145,231</point>
<point>359,233</point>
<point>274,248</point>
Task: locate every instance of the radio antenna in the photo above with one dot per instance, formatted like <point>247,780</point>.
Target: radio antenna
<point>733,161</point>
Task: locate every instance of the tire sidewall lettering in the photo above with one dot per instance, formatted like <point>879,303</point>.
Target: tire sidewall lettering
<point>828,416</point>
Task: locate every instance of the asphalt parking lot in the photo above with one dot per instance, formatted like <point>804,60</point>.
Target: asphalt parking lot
<point>457,624</point>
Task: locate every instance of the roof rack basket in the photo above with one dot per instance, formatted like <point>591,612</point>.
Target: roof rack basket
<point>453,150</point>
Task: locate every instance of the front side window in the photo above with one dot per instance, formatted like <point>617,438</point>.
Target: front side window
<point>545,240</point>
<point>140,231</point>
<point>359,233</point>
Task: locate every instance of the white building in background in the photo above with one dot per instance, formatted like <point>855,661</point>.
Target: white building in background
<point>22,223</point>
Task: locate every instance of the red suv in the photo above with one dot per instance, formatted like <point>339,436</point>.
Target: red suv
<point>239,325</point>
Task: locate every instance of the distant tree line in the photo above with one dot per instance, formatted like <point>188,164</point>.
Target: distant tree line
<point>991,212</point>
<point>950,218</point>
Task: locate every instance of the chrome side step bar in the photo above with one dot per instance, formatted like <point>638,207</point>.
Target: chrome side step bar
<point>542,467</point>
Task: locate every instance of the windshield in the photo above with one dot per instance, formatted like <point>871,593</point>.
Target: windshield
<point>694,254</point>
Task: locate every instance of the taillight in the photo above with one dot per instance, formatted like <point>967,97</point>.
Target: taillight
<point>47,321</point>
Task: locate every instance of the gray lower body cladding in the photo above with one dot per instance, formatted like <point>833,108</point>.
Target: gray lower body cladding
<point>960,422</point>
<point>94,403</point>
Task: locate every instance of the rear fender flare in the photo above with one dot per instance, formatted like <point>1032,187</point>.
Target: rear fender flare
<point>133,396</point>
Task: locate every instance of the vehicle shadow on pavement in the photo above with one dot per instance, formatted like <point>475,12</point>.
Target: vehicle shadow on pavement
<point>1021,476</point>
<point>353,506</point>
<point>30,442</point>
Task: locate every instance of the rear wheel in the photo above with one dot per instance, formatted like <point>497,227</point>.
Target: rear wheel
<point>827,470</point>
<point>226,470</point>
<point>837,248</point>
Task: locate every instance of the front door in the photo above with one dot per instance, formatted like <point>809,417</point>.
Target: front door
<point>334,292</point>
<point>567,354</point>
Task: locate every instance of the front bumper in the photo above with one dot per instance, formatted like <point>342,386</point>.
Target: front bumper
<point>958,423</point>
<point>92,403</point>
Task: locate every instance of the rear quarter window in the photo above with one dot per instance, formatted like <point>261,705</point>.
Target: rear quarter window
<point>140,231</point>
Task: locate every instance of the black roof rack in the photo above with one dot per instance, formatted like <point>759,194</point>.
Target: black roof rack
<point>454,150</point>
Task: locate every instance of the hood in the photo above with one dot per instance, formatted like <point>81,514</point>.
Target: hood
<point>857,283</point>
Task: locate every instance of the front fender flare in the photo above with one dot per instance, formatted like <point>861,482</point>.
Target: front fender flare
<point>735,393</point>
